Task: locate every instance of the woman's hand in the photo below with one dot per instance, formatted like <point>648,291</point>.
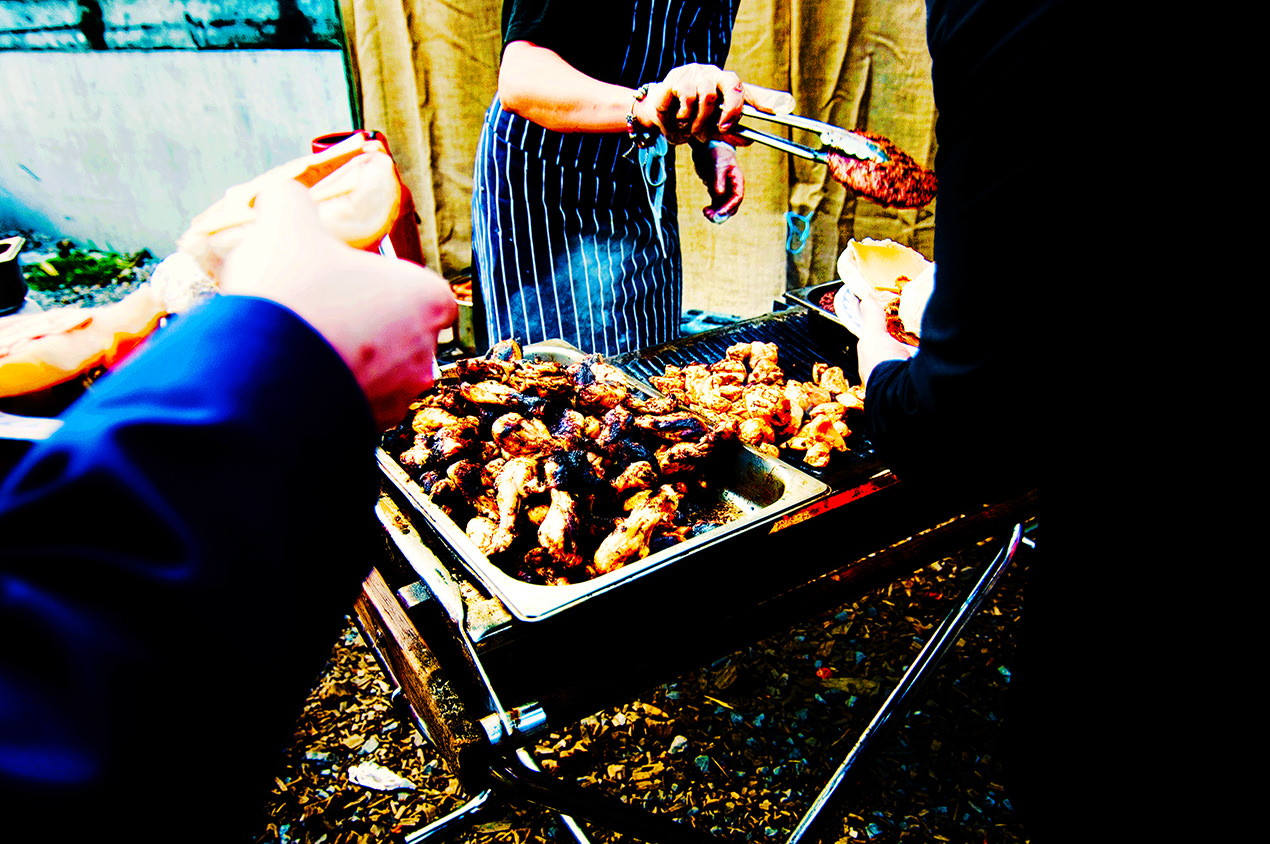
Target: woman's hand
<point>381,315</point>
<point>717,165</point>
<point>876,344</point>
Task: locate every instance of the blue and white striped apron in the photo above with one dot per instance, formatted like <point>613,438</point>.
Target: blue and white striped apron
<point>565,244</point>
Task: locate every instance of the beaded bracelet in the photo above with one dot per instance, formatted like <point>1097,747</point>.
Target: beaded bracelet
<point>641,136</point>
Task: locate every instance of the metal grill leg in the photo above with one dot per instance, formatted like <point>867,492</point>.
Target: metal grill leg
<point>897,702</point>
<point>453,823</point>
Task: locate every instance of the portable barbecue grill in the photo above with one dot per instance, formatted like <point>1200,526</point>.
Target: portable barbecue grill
<point>484,680</point>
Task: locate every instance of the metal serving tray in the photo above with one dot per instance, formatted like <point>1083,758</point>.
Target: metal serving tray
<point>756,488</point>
<point>809,297</point>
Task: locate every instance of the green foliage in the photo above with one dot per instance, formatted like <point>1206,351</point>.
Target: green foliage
<point>75,267</point>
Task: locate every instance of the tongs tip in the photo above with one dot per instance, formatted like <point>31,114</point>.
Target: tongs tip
<point>856,146</point>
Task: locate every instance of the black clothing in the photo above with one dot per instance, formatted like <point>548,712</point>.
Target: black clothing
<point>967,409</point>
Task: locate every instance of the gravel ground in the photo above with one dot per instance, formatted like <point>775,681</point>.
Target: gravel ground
<point>740,746</point>
<point>81,297</point>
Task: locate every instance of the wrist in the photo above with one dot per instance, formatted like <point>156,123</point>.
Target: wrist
<point>641,134</point>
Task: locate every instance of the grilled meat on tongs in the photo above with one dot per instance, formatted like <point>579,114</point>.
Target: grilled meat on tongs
<point>867,163</point>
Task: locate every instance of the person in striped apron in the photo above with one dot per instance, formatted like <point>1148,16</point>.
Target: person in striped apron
<point>575,234</point>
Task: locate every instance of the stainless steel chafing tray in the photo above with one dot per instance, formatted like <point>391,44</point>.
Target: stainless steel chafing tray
<point>809,297</point>
<point>756,490</point>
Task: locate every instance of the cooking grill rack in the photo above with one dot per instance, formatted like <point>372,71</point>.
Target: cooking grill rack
<point>483,685</point>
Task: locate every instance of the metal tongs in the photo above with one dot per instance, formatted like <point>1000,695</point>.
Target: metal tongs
<point>848,143</point>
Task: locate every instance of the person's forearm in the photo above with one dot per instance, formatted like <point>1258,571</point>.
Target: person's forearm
<point>535,83</point>
<point>204,505</point>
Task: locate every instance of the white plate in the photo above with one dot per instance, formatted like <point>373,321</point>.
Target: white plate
<point>846,306</point>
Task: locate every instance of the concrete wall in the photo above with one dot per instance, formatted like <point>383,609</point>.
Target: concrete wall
<point>168,24</point>
<point>124,148</point>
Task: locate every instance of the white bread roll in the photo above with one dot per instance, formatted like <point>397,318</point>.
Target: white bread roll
<point>879,268</point>
<point>42,350</point>
<point>354,184</point>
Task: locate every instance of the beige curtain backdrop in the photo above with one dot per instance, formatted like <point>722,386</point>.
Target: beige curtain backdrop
<point>425,70</point>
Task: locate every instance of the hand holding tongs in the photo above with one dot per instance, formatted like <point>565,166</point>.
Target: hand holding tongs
<point>848,143</point>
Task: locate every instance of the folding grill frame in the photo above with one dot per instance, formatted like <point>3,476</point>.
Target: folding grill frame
<point>483,686</point>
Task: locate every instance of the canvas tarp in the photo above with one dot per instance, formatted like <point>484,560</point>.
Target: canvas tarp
<point>425,71</point>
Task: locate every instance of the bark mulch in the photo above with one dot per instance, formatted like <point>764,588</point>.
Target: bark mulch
<point>741,746</point>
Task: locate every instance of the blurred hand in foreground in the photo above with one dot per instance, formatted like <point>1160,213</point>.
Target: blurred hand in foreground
<point>381,315</point>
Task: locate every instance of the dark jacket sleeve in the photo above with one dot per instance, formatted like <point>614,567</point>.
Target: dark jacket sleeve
<point>966,409</point>
<point>175,565</point>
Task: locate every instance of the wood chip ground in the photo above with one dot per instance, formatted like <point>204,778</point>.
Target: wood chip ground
<point>740,746</point>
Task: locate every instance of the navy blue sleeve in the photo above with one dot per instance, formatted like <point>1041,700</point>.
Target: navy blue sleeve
<point>175,565</point>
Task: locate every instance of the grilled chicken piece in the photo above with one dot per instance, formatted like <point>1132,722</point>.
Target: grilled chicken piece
<point>819,438</point>
<point>594,368</point>
<point>761,352</point>
<point>458,440</point>
<point>491,392</point>
<point>739,352</point>
<point>429,419</point>
<point>670,382</point>
<point>764,368</point>
<point>675,427</point>
<point>769,403</point>
<point>755,432</point>
<point>475,370</point>
<point>505,350</point>
<point>542,379</point>
<point>831,378</point>
<point>809,395</point>
<point>703,390</point>
<point>853,398</point>
<point>678,458</point>
<point>516,479</point>
<point>630,540</point>
<point>539,567</point>
<point>655,405</point>
<point>417,456</point>
<point>496,394</point>
<point>562,531</point>
<point>832,409</point>
<point>616,425</point>
<point>579,473</point>
<point>729,372</point>
<point>799,403</point>
<point>766,372</point>
<point>638,475</point>
<point>573,430</point>
<point>517,436</point>
<point>474,483</point>
<point>600,396</point>
<point>443,396</point>
<point>598,386</point>
<point>483,532</point>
